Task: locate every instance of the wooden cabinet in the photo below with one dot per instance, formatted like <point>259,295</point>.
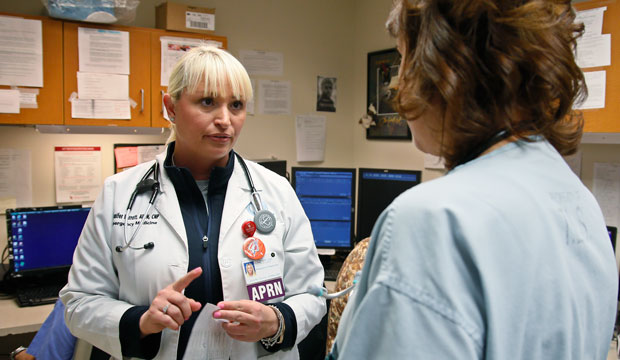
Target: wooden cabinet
<point>139,74</point>
<point>606,120</point>
<point>61,65</point>
<point>158,91</point>
<point>49,100</point>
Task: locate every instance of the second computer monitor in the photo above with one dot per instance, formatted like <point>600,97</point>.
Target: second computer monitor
<point>328,198</point>
<point>377,189</point>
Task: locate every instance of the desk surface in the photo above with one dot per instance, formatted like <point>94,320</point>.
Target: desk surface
<point>18,320</point>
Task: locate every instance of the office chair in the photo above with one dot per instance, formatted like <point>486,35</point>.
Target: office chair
<point>351,265</point>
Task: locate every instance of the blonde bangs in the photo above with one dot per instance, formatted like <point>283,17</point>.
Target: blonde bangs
<point>214,68</point>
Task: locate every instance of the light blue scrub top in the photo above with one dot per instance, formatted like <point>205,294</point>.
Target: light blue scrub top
<point>505,257</point>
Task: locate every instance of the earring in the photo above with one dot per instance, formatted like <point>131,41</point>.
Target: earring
<point>171,119</point>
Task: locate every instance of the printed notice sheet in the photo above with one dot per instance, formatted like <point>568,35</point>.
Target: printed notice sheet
<point>78,173</point>
<point>129,156</point>
<point>28,98</point>
<point>606,189</point>
<point>21,46</point>
<point>9,101</point>
<point>149,152</point>
<point>594,47</point>
<point>596,82</point>
<point>262,62</point>
<point>173,48</point>
<point>594,51</point>
<point>274,97</point>
<point>250,105</point>
<point>592,20</point>
<point>100,109</point>
<point>310,134</point>
<point>102,86</point>
<point>126,156</point>
<point>103,51</point>
<point>15,178</point>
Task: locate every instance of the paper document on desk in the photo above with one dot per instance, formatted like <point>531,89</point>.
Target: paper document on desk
<point>208,336</point>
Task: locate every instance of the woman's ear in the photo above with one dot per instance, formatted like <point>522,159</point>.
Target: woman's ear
<point>169,105</point>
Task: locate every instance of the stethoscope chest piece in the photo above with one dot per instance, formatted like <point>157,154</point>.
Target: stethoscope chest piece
<point>265,221</point>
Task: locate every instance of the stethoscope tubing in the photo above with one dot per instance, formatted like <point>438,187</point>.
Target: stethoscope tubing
<point>256,200</point>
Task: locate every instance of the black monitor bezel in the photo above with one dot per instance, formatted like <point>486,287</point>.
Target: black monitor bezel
<point>614,235</point>
<point>353,171</point>
<point>360,179</point>
<point>38,272</point>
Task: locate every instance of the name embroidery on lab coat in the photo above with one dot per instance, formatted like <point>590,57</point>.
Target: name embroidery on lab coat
<point>150,219</point>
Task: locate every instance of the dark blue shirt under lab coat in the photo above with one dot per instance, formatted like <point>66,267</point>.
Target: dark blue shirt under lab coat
<point>208,287</point>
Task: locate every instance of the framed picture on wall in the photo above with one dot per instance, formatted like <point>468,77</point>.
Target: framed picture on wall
<point>382,77</point>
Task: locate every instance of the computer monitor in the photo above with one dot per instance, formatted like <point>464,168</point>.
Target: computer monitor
<point>377,189</point>
<point>277,166</point>
<point>613,233</point>
<point>42,240</point>
<point>328,198</point>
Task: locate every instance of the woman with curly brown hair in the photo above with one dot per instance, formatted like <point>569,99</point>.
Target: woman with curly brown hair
<point>506,256</point>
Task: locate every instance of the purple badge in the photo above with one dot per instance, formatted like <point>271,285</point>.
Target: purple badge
<point>266,290</point>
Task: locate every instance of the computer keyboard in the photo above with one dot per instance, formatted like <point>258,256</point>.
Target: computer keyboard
<point>31,296</point>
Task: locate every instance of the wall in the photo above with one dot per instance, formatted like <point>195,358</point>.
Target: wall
<point>370,35</point>
<point>315,38</point>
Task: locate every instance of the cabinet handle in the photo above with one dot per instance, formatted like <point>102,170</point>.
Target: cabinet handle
<point>162,101</point>
<point>142,99</point>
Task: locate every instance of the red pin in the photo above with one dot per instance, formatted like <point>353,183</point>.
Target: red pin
<point>248,228</point>
<point>254,248</point>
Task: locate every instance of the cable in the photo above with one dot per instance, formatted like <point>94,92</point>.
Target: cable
<point>4,258</point>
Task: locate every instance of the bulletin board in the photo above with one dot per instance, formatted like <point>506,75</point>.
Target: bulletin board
<point>127,156</point>
<point>606,120</point>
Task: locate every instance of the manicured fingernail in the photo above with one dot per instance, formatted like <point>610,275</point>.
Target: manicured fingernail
<point>220,305</point>
<point>217,314</point>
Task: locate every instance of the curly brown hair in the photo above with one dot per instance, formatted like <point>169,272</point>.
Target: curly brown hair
<point>490,66</point>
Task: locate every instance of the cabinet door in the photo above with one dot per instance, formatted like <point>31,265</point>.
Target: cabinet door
<point>139,75</point>
<point>159,37</point>
<point>49,100</point>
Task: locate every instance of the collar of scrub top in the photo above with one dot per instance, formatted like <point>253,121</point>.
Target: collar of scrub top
<point>219,175</point>
<point>483,146</point>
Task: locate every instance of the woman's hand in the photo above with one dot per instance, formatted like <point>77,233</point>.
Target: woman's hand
<point>170,308</point>
<point>249,320</point>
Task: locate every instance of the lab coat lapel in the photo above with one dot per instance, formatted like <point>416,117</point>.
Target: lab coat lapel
<point>238,196</point>
<point>167,204</point>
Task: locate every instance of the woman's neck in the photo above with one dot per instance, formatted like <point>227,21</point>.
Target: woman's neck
<point>200,168</point>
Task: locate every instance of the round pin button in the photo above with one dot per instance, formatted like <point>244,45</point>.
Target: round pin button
<point>254,248</point>
<point>265,221</point>
<point>248,228</point>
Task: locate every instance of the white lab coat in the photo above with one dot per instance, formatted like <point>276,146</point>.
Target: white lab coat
<point>104,283</point>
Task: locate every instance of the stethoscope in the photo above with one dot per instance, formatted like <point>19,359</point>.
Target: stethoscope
<point>264,219</point>
<point>321,291</point>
